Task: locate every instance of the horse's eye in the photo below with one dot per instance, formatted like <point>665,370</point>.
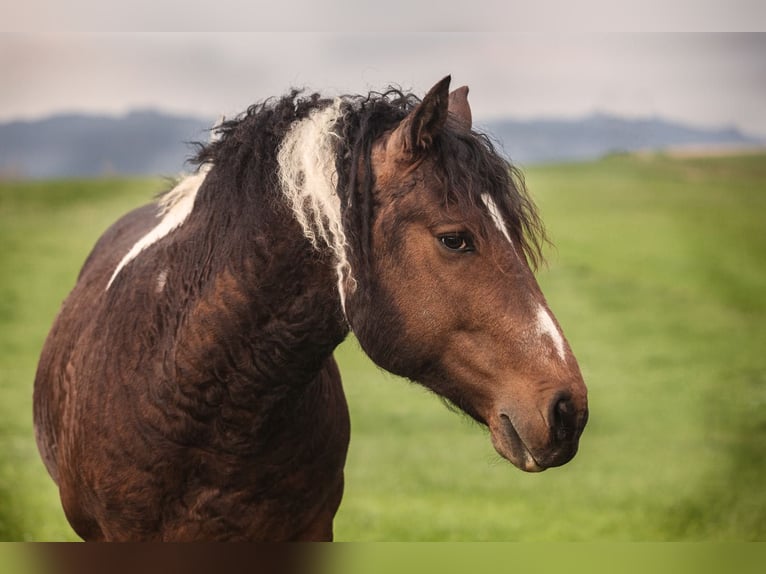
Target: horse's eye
<point>460,242</point>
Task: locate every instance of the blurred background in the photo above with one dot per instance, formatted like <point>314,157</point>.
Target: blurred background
<point>646,156</point>
<point>101,104</point>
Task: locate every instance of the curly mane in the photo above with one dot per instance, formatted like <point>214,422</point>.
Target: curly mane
<point>469,166</point>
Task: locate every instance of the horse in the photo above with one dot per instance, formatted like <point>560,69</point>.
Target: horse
<point>187,389</point>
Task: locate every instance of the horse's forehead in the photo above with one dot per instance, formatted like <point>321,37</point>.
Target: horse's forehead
<point>422,183</point>
<point>418,189</point>
<point>398,173</point>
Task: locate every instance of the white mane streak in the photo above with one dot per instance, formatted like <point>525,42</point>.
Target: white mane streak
<point>309,182</point>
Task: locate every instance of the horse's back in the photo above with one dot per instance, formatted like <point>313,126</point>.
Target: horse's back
<point>55,383</point>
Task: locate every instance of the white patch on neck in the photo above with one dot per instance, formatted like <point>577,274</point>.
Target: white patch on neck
<point>309,182</point>
<point>175,206</point>
<point>546,326</point>
<point>162,279</point>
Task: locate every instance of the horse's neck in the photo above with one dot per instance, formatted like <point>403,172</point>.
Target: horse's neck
<point>269,311</point>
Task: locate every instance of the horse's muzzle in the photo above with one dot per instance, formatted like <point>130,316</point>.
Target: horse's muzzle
<point>533,447</point>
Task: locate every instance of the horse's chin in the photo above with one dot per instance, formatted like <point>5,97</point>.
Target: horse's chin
<point>508,443</point>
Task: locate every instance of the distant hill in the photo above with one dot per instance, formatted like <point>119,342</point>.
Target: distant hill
<point>591,137</point>
<point>149,142</point>
<point>139,143</point>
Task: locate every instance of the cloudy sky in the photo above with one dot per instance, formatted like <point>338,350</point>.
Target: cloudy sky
<point>703,79</point>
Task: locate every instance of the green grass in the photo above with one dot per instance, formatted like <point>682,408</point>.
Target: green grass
<point>46,230</point>
<point>659,280</point>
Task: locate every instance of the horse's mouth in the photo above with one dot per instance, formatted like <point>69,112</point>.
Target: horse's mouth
<point>508,443</point>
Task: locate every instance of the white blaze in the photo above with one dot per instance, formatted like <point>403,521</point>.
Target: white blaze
<point>496,216</point>
<point>546,326</point>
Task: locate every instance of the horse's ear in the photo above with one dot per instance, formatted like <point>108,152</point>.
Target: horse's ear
<point>417,131</point>
<point>459,108</point>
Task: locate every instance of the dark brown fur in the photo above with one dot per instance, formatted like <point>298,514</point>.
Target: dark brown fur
<point>212,409</point>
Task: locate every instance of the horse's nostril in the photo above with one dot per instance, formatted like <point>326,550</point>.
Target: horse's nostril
<point>563,418</point>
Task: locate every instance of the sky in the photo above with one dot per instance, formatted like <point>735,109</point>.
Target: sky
<point>709,80</point>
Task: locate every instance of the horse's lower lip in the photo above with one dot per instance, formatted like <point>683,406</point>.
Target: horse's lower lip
<point>511,446</point>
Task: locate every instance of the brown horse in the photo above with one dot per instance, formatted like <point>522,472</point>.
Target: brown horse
<point>187,390</point>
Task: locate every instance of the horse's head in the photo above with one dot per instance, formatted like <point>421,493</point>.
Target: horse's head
<point>445,295</point>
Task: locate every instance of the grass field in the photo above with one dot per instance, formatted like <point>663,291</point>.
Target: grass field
<point>659,280</point>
